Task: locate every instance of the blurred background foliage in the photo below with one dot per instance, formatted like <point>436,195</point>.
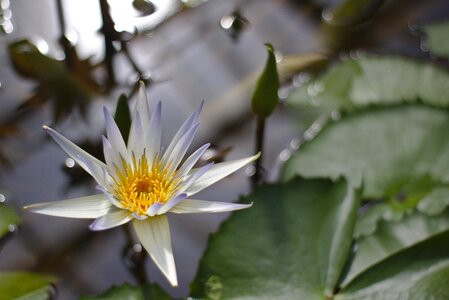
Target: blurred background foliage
<point>350,112</point>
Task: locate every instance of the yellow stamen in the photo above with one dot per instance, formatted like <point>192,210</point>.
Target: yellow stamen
<point>138,185</point>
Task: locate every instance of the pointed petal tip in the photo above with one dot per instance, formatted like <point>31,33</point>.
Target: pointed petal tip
<point>45,127</point>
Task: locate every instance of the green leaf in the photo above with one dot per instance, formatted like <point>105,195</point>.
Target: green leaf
<point>372,80</point>
<point>402,153</point>
<point>8,218</point>
<point>292,244</point>
<point>123,116</point>
<point>66,89</point>
<point>265,97</point>
<point>418,272</point>
<point>25,286</point>
<point>437,40</point>
<point>351,12</point>
<point>391,237</point>
<point>129,292</point>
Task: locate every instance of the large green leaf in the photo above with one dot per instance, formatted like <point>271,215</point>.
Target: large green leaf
<point>8,218</point>
<point>292,244</point>
<point>129,292</point>
<point>418,272</point>
<point>373,80</point>
<point>25,286</point>
<point>402,153</point>
<point>437,40</point>
<point>392,236</point>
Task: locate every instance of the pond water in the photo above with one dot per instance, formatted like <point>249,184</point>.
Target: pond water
<point>190,58</point>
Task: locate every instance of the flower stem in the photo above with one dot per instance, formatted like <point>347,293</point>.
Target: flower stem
<point>260,133</point>
<point>134,256</point>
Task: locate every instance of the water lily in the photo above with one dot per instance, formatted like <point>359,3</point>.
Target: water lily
<point>142,182</point>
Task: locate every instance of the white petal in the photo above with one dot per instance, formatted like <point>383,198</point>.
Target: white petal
<point>195,175</point>
<point>115,217</point>
<point>192,160</point>
<point>188,124</point>
<point>152,211</point>
<point>175,157</point>
<point>89,207</point>
<point>189,206</point>
<point>154,234</point>
<point>217,172</point>
<point>170,203</point>
<point>112,159</point>
<point>136,137</point>
<point>93,166</point>
<point>114,136</point>
<point>142,106</point>
<point>153,134</point>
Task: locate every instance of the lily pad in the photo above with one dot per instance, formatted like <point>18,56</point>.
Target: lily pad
<point>22,286</point>
<point>129,292</point>
<point>391,237</point>
<point>418,272</point>
<point>292,244</point>
<point>437,40</point>
<point>372,80</point>
<point>8,220</point>
<point>400,153</point>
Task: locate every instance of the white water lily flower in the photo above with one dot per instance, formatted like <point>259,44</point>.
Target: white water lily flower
<point>141,182</point>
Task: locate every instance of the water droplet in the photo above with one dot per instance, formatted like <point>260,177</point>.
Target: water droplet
<point>69,163</point>
<point>2,198</point>
<point>301,79</point>
<point>335,115</point>
<point>4,4</point>
<point>7,14</point>
<point>137,248</point>
<point>354,54</point>
<point>315,102</point>
<point>283,93</point>
<point>315,88</point>
<point>7,27</point>
<point>285,155</point>
<point>133,255</point>
<point>295,143</point>
<point>250,171</point>
<point>308,135</point>
<point>327,15</point>
<point>226,22</point>
<point>424,47</point>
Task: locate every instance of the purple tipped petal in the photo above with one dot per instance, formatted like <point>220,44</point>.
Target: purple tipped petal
<point>90,164</point>
<point>89,207</point>
<point>114,218</point>
<point>191,206</point>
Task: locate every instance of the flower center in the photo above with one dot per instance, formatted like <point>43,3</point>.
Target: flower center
<point>138,185</point>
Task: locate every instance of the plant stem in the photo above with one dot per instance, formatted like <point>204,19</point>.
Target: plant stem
<point>260,133</point>
<point>135,258</point>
